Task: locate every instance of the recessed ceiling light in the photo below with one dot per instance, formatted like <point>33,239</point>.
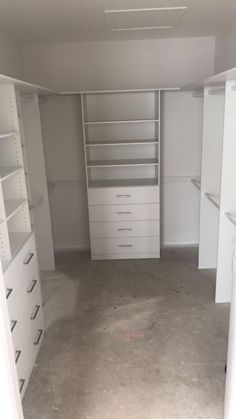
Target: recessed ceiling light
<point>144,19</point>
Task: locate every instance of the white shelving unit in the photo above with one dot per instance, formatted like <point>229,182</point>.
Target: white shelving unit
<point>122,157</point>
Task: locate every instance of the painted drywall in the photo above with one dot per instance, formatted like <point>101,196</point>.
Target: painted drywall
<point>225,51</point>
<point>181,160</point>
<point>10,57</point>
<point>119,65</point>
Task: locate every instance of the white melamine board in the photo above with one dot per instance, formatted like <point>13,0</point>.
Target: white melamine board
<point>10,152</point>
<point>6,172</point>
<point>141,151</point>
<point>121,106</point>
<point>14,186</point>
<point>120,163</point>
<point>227,229</point>
<point>38,181</point>
<point>179,213</point>
<point>127,172</point>
<point>12,206</point>
<point>8,115</point>
<point>123,132</point>
<point>9,392</point>
<point>182,134</point>
<point>212,146</point>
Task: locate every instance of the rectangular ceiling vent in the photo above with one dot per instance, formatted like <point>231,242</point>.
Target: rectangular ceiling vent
<point>141,19</point>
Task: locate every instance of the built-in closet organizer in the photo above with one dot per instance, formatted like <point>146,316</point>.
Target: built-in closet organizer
<point>218,180</point>
<point>19,260</point>
<point>122,156</point>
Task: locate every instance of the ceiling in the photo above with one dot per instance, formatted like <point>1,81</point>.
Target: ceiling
<point>46,21</point>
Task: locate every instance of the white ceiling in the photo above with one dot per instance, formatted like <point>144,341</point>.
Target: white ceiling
<point>84,20</point>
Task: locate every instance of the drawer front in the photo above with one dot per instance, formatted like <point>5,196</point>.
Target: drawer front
<point>22,328</point>
<point>124,229</point>
<point>20,267</point>
<point>123,195</point>
<point>123,212</point>
<point>125,245</point>
<point>20,300</point>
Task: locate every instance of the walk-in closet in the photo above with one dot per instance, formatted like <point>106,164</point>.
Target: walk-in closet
<point>117,210</point>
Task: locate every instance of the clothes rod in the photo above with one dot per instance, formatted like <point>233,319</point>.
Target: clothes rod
<point>231,218</point>
<point>196,183</point>
<point>212,199</point>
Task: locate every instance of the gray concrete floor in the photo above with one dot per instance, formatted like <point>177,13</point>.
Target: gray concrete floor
<point>136,339</point>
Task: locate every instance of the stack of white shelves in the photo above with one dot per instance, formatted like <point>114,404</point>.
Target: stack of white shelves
<point>122,157</point>
<point>18,254</point>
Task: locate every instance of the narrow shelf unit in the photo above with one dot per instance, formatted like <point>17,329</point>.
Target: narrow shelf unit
<point>121,132</point>
<point>15,225</point>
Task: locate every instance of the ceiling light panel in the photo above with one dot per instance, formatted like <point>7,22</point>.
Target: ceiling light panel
<point>139,19</point>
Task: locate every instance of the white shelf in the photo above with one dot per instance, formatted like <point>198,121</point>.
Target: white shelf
<point>120,163</point>
<point>4,135</point>
<point>214,199</point>
<point>12,206</point>
<point>6,172</point>
<point>197,183</point>
<point>131,121</point>
<point>17,240</point>
<point>122,142</point>
<point>122,182</point>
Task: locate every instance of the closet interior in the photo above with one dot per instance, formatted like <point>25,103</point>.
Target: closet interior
<point>126,180</point>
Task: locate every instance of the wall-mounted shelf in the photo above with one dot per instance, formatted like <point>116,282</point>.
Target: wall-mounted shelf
<point>131,121</point>
<point>6,172</point>
<point>122,182</point>
<point>12,206</point>
<point>231,218</point>
<point>121,163</point>
<point>122,142</point>
<point>197,183</point>
<point>214,199</point>
<point>4,135</point>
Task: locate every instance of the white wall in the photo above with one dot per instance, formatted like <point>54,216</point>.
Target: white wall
<point>63,146</point>
<point>181,157</point>
<point>225,52</point>
<point>10,57</point>
<point>119,65</point>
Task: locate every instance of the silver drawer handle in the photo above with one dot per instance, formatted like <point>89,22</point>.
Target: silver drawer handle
<point>125,245</point>
<point>21,384</point>
<point>28,258</point>
<point>124,229</point>
<point>40,332</point>
<point>13,325</point>
<point>124,212</point>
<point>123,195</point>
<point>18,354</point>
<point>37,307</point>
<point>9,291</point>
<point>34,282</point>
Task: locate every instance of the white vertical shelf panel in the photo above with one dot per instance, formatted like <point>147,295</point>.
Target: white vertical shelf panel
<point>213,127</point>
<point>38,180</point>
<point>227,229</point>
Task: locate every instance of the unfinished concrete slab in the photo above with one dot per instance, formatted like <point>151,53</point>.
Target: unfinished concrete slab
<point>137,339</point>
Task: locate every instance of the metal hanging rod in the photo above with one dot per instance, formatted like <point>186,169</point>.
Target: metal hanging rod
<point>213,199</point>
<point>231,218</point>
<point>196,183</point>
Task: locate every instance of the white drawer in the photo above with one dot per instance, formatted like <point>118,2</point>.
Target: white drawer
<point>125,245</point>
<point>123,212</point>
<point>21,328</point>
<point>20,266</point>
<point>123,195</point>
<point>124,229</point>
<point>20,300</point>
